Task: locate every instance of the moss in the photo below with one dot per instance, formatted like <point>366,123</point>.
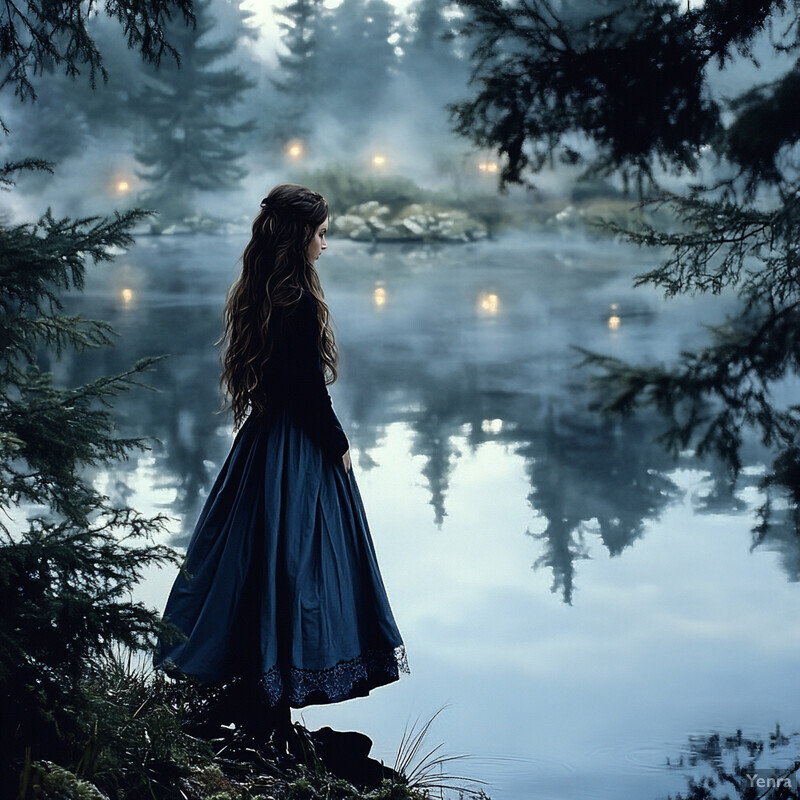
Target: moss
<point>56,783</point>
<point>301,789</point>
<point>391,790</point>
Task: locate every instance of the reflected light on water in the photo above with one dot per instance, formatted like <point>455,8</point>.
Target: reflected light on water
<point>379,296</point>
<point>489,303</point>
<point>613,319</point>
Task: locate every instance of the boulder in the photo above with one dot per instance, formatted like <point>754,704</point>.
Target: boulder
<point>413,223</point>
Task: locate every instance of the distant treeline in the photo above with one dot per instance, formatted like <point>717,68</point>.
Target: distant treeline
<point>357,83</point>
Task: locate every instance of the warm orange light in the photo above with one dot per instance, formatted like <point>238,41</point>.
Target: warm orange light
<point>127,296</point>
<point>613,318</point>
<point>379,161</point>
<point>294,149</point>
<point>489,303</point>
<point>488,166</point>
<point>379,296</point>
<point>123,186</point>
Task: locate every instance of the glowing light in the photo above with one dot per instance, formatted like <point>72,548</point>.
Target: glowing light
<point>489,167</point>
<point>489,303</point>
<point>378,160</point>
<point>379,296</point>
<point>294,149</point>
<point>127,296</point>
<point>123,186</point>
<point>492,426</point>
<point>613,318</point>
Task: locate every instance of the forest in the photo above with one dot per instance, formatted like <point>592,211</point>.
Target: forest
<point>175,136</point>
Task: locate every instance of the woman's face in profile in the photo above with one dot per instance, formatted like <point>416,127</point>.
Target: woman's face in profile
<point>318,242</point>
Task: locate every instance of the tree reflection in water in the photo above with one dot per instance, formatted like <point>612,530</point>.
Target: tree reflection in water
<point>445,372</point>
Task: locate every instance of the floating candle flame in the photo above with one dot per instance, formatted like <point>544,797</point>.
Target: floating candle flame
<point>379,296</point>
<point>123,186</point>
<point>127,296</point>
<point>294,149</point>
<point>379,160</point>
<point>490,167</point>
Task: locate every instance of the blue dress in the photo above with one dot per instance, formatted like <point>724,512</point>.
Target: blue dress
<point>280,580</point>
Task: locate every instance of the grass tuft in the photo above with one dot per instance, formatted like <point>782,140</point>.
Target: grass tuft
<point>425,771</point>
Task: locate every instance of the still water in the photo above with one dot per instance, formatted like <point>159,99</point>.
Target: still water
<point>580,602</point>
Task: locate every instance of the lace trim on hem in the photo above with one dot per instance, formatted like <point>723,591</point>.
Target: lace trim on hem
<point>352,678</point>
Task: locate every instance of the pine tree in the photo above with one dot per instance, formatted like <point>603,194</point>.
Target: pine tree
<point>429,53</point>
<point>186,143</point>
<point>358,59</point>
<point>69,558</point>
<point>431,68</point>
<point>301,71</point>
<point>631,81</point>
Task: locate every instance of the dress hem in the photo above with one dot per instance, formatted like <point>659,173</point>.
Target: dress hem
<point>355,677</point>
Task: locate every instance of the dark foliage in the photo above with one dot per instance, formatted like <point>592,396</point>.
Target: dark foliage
<point>625,90</point>
<point>68,557</point>
<point>737,769</point>
<point>37,35</point>
<point>631,79</point>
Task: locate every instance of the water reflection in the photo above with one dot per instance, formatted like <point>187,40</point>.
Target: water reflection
<point>428,362</point>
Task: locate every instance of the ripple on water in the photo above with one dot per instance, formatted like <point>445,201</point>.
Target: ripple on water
<point>637,758</point>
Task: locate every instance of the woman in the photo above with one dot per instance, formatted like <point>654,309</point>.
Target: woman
<point>280,594</point>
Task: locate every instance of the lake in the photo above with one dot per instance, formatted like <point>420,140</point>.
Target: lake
<point>584,605</point>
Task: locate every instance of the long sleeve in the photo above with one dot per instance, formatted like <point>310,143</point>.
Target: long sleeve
<point>307,395</point>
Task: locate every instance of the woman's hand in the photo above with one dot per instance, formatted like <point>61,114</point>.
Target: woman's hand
<point>346,461</point>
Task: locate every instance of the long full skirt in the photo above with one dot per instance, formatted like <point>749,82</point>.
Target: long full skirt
<point>280,580</point>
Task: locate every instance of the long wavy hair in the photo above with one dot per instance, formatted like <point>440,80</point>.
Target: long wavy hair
<point>275,271</point>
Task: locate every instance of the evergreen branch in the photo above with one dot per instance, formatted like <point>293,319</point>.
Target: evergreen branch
<point>46,429</point>
<point>37,260</point>
<point>24,336</point>
<point>111,385</point>
<point>720,244</point>
<point>711,397</point>
<point>56,32</point>
<point>10,167</point>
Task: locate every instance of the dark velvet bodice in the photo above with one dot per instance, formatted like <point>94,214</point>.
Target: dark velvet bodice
<point>294,378</point>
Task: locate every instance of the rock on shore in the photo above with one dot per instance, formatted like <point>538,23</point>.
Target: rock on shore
<point>373,221</point>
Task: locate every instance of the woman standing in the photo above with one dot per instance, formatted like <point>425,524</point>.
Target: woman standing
<point>280,591</point>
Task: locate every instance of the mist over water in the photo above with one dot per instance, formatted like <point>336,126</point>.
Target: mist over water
<point>581,601</point>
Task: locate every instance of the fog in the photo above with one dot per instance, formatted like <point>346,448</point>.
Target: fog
<point>346,84</point>
<point>358,89</point>
<point>586,600</point>
<point>579,597</point>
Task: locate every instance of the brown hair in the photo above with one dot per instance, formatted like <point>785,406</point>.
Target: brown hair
<point>275,271</point>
